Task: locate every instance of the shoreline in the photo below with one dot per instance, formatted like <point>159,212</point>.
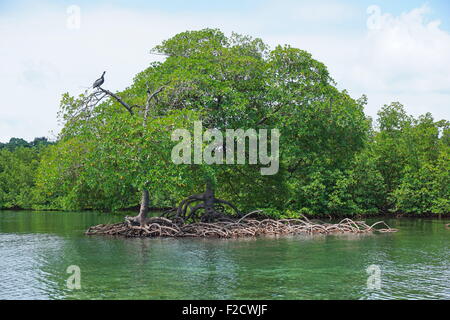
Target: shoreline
<point>313,217</point>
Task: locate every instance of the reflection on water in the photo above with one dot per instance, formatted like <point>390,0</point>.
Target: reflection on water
<point>37,248</point>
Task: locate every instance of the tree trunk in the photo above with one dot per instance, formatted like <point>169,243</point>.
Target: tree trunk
<point>203,207</point>
<point>142,216</point>
<point>209,200</point>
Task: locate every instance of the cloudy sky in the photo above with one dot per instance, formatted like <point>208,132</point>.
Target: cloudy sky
<point>389,50</point>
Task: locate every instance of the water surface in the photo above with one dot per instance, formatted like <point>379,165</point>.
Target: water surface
<point>36,248</point>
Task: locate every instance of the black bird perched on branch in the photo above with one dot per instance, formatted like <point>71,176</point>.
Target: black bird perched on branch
<point>100,81</point>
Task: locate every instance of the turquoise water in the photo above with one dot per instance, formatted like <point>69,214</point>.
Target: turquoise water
<point>37,248</point>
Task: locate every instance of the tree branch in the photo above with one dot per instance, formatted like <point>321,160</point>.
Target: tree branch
<point>118,99</point>
<point>150,96</point>
<point>264,119</point>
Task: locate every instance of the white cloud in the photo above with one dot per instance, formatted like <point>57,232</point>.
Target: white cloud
<point>398,58</point>
<point>405,53</point>
<point>405,58</point>
<point>402,58</point>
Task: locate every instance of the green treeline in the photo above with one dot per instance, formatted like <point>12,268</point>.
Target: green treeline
<point>15,143</point>
<point>334,160</point>
<point>19,161</point>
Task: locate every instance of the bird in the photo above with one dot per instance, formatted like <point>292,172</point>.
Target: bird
<point>99,81</point>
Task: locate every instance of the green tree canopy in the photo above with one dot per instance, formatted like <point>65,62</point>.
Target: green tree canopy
<point>114,145</point>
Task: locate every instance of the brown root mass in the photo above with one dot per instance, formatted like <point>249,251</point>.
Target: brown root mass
<point>227,228</point>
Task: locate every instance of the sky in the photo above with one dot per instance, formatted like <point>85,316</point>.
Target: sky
<point>389,50</point>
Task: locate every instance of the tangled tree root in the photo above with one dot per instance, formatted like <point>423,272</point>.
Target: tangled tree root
<point>204,207</point>
<point>227,228</point>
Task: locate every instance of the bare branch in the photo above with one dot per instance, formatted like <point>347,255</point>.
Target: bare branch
<point>150,96</point>
<point>118,99</point>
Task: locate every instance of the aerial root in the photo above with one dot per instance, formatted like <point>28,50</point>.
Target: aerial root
<point>235,228</point>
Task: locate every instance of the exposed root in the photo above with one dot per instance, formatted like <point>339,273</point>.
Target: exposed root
<point>228,228</point>
<point>204,207</point>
